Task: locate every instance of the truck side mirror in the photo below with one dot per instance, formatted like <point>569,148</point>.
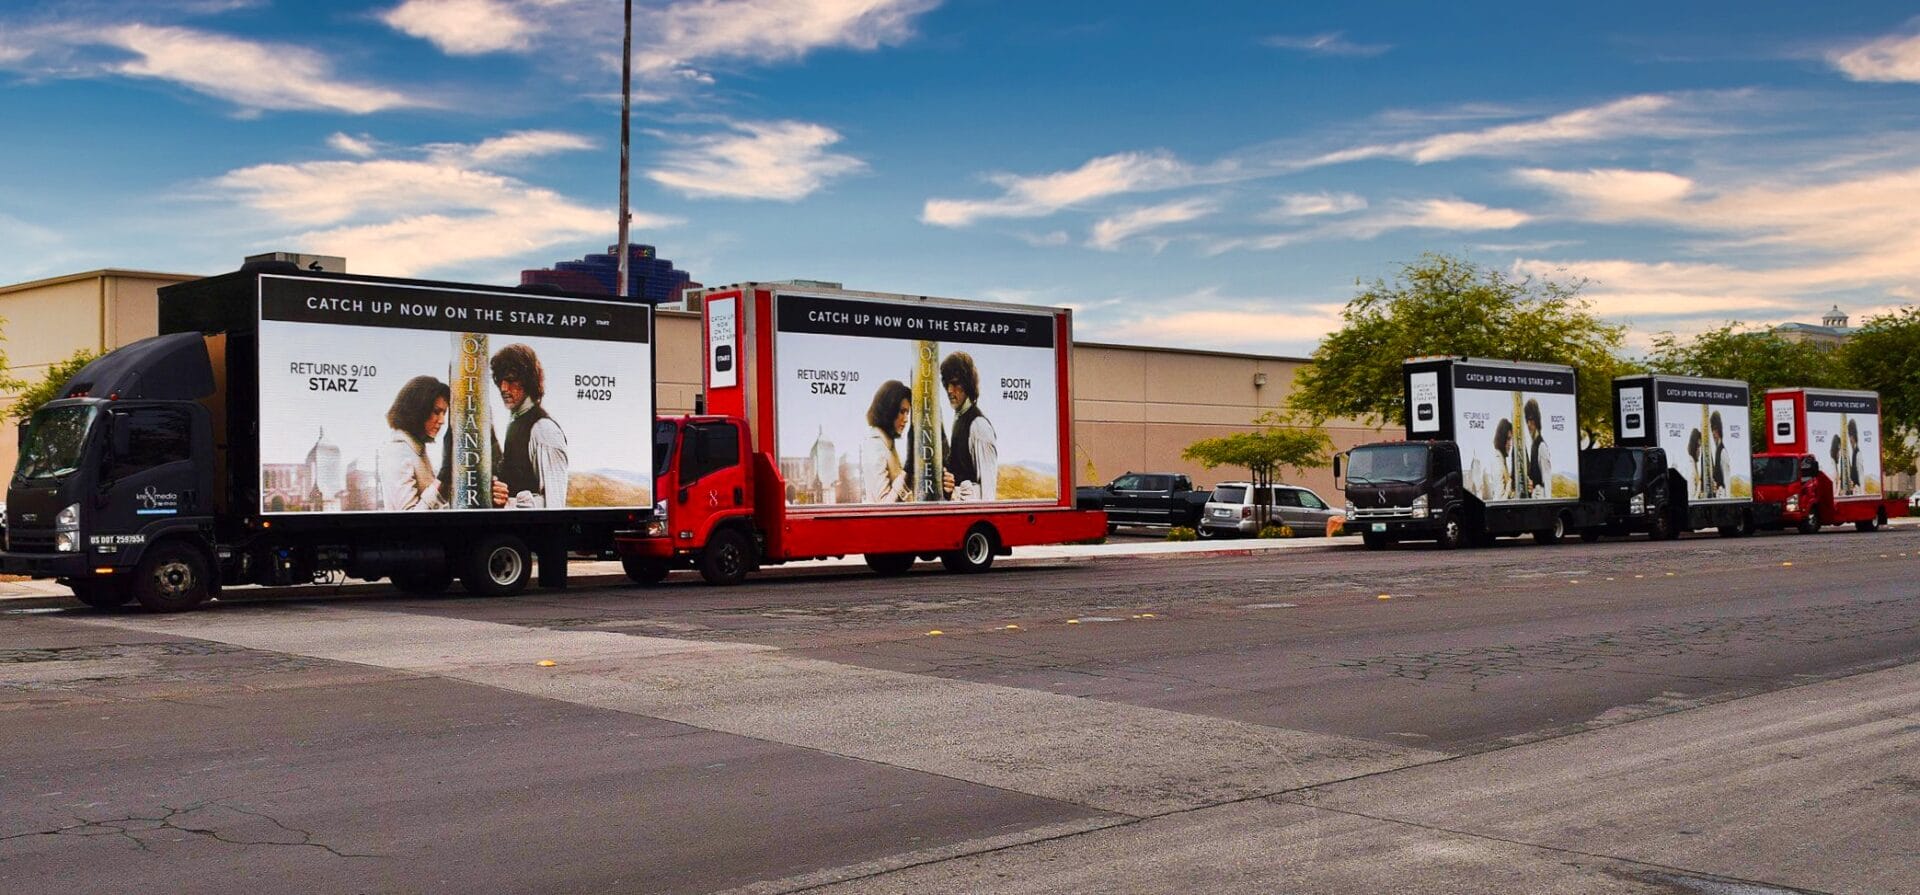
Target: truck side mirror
<point>1339,465</point>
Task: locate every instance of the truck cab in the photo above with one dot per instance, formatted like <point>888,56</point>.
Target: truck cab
<point>1636,487</point>
<point>1405,490</point>
<point>1796,483</point>
<point>107,497</point>
<point>705,515</point>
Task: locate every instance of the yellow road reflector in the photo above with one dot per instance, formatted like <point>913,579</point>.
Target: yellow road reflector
<point>1148,615</point>
<point>1639,576</point>
<point>1669,574</point>
<point>1786,563</point>
<point>1012,628</point>
<point>935,633</point>
<point>1073,621</point>
<point>1573,581</point>
<point>547,663</point>
<point>1384,597</point>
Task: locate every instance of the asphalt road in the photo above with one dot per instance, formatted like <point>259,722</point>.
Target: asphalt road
<point>1708,715</point>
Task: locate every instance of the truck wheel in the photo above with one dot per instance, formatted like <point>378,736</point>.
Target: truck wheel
<point>727,559</point>
<point>644,570</point>
<point>101,594</point>
<point>1375,540</point>
<point>1452,533</point>
<point>975,553</point>
<point>1113,527</point>
<point>1871,524</point>
<point>172,577</point>
<point>890,563</point>
<point>1663,527</point>
<point>1811,524</point>
<point>431,583</point>
<point>498,566</point>
<point>1554,534</point>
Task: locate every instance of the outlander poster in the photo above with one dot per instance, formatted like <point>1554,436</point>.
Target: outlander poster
<point>890,402</point>
<point>382,397</point>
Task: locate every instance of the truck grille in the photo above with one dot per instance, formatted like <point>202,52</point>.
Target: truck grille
<point>1383,512</point>
<point>30,540</point>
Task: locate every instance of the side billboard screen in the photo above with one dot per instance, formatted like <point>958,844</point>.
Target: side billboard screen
<point>1518,431</point>
<point>1703,430</point>
<point>378,397</point>
<point>1843,435</point>
<point>881,403</point>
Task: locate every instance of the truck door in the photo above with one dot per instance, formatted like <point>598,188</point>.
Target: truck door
<point>1123,505</point>
<point>149,476</point>
<point>713,476</point>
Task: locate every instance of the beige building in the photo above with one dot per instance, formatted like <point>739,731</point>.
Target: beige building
<point>1134,408</point>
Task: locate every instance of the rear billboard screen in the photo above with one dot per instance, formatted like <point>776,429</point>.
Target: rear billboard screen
<point>378,397</point>
<point>1703,430</point>
<point>1518,432</point>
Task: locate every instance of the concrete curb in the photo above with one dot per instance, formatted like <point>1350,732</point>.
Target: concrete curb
<point>44,594</point>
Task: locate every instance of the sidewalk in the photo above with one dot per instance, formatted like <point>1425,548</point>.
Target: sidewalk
<point>34,594</point>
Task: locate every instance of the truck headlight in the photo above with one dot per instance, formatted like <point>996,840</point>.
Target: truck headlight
<point>66,542</point>
<point>1420,507</point>
<point>1637,504</point>
<point>1349,509</point>
<point>658,527</point>
<point>68,519</point>
<point>1793,504</point>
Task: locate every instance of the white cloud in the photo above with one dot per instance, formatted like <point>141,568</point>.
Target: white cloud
<point>1424,214</point>
<point>780,160</point>
<point>463,27</point>
<point>1109,233</point>
<point>1612,191</point>
<point>1634,116</point>
<point>351,145</point>
<point>771,30</point>
<point>252,75</point>
<point>1300,205</point>
<point>1206,318</point>
<point>527,144</point>
<point>404,216</point>
<point>1894,58</point>
<point>1332,43</point>
<point>1032,197</point>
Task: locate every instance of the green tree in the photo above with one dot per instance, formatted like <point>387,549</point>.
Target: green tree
<point>1881,357</point>
<point>1442,305</point>
<point>49,385</point>
<point>1760,358</point>
<point>1281,441</point>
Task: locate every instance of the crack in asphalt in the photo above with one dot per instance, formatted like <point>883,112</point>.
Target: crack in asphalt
<point>133,826</point>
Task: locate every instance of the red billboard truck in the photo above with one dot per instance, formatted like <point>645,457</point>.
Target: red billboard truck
<point>896,427</point>
<point>1822,458</point>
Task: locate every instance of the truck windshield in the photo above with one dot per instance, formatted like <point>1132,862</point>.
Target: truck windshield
<point>663,438</point>
<point>1610,465</point>
<point>56,438</point>
<point>1380,464</point>
<point>1775,470</point>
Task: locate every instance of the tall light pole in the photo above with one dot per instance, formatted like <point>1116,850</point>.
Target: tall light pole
<point>626,107</point>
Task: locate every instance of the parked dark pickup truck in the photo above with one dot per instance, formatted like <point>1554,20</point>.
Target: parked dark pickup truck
<point>1147,498</point>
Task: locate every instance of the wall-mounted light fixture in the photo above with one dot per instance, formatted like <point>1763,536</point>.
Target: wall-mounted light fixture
<point>1259,380</point>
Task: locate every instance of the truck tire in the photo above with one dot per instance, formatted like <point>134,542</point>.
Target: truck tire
<point>1871,524</point>
<point>1453,533</point>
<point>727,559</point>
<point>975,553</point>
<point>498,566</point>
<point>890,564</point>
<point>644,570</point>
<point>431,583</point>
<point>101,594</point>
<point>1811,524</point>
<point>1552,535</point>
<point>172,577</point>
<point>1663,528</point>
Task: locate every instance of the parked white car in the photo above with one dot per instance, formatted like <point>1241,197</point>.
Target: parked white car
<point>1233,510</point>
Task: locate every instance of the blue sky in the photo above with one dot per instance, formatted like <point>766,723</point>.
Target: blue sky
<point>1210,175</point>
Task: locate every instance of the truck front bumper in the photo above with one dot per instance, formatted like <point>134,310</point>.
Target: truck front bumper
<point>643,547</point>
<point>1398,528</point>
<point>45,565</point>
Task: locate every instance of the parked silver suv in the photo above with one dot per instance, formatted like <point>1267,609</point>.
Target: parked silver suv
<point>1233,510</point>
